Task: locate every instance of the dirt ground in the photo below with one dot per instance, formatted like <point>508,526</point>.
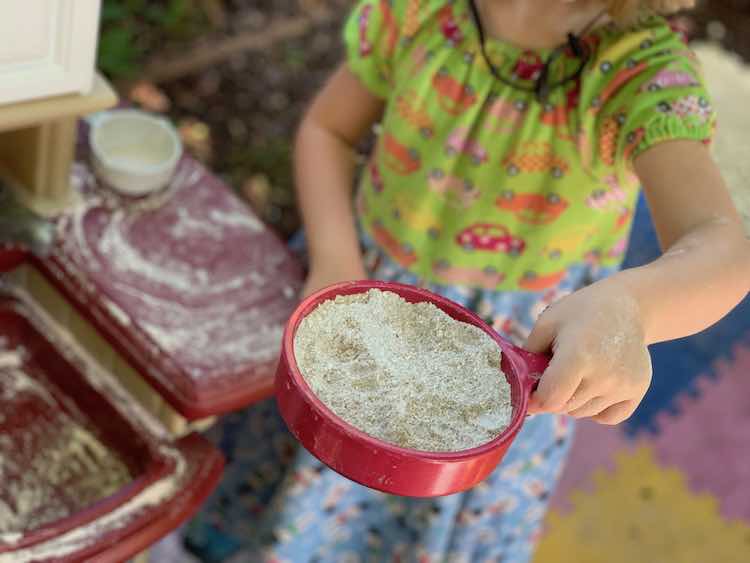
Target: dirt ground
<point>238,87</point>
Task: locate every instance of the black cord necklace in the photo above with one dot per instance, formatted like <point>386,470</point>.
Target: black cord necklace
<point>542,85</point>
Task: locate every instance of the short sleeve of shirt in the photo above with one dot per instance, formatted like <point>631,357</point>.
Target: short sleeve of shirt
<point>649,90</point>
<point>371,37</point>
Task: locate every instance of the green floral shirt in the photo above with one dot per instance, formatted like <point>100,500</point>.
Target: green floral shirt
<point>476,183</point>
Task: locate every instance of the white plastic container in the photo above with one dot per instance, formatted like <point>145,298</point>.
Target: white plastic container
<point>133,152</point>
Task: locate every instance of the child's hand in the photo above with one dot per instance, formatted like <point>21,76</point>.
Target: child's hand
<point>601,367</point>
<point>324,275</point>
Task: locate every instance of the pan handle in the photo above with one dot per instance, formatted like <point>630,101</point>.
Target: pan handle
<point>536,364</point>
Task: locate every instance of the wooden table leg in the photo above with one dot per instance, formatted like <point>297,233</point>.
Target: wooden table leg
<point>39,159</point>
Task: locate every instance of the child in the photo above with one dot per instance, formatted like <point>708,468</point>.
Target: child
<point>515,135</point>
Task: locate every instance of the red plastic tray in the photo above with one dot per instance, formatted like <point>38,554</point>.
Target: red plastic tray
<point>188,285</point>
<point>10,257</point>
<point>84,475</point>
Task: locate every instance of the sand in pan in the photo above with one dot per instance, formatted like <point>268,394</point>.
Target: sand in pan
<point>405,373</point>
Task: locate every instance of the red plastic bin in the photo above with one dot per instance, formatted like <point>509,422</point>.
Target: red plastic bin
<point>188,286</point>
<point>86,475</point>
<point>10,257</point>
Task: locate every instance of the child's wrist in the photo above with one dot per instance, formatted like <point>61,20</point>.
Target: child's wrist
<point>628,284</point>
<point>350,262</point>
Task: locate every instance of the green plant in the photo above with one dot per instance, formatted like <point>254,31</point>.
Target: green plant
<point>134,29</point>
<point>118,52</point>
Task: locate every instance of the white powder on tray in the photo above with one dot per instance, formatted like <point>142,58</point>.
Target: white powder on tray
<point>405,373</point>
<point>154,495</point>
<point>53,467</point>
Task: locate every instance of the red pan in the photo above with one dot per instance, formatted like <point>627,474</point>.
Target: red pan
<point>381,465</point>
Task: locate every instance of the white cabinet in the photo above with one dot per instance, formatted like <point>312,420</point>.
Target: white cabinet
<point>48,48</point>
<point>47,79</point>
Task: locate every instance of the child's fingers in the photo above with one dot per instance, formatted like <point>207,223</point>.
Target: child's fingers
<point>559,382</point>
<point>616,413</point>
<point>586,391</point>
<point>592,408</point>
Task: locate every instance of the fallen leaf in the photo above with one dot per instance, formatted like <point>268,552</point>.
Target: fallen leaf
<point>197,137</point>
<point>149,96</point>
<point>257,191</point>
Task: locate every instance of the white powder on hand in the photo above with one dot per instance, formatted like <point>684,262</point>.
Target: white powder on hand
<point>405,373</point>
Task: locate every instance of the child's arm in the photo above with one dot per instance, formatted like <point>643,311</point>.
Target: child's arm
<point>601,367</point>
<point>324,171</point>
<point>705,271</point>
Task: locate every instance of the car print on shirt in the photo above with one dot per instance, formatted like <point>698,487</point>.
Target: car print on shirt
<point>487,278</point>
<point>696,106</point>
<point>528,66</point>
<point>535,157</point>
<point>391,27</point>
<point>417,220</point>
<point>453,97</point>
<point>458,193</point>
<point>558,116</point>
<point>609,137</point>
<point>504,116</point>
<point>449,26</point>
<point>419,57</point>
<point>623,76</point>
<point>669,78</point>
<point>410,111</point>
<point>554,116</point>
<point>401,253</point>
<point>534,209</point>
<point>568,242</point>
<point>365,47</point>
<point>398,157</point>
<point>532,281</point>
<point>487,237</point>
<point>411,18</point>
<point>606,199</point>
<point>459,142</point>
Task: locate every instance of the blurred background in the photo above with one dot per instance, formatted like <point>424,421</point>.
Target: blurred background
<point>235,75</point>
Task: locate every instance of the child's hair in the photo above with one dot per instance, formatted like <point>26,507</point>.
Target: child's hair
<point>629,10</point>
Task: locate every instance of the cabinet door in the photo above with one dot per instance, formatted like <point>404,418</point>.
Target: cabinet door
<point>48,48</point>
